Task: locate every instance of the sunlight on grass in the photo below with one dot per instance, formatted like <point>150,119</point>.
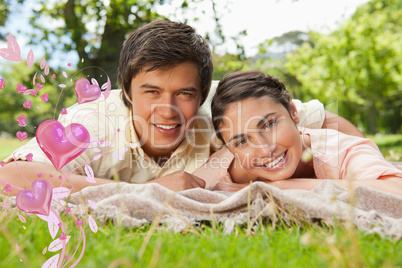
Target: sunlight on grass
<point>297,244</point>
<point>390,146</point>
<point>8,145</point>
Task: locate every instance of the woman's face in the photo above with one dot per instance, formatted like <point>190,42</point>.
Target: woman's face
<point>263,137</point>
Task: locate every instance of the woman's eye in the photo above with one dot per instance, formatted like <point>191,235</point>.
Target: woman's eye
<point>270,124</point>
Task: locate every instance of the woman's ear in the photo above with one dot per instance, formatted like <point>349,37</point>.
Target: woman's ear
<point>127,96</point>
<point>294,112</point>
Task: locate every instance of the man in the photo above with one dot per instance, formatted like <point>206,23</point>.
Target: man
<point>152,130</point>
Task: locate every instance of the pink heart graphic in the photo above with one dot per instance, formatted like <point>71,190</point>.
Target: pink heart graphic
<point>13,51</point>
<point>78,223</point>
<point>21,88</point>
<point>1,83</point>
<point>39,86</point>
<point>53,76</point>
<point>22,135</point>
<point>44,97</point>
<point>27,104</point>
<point>85,91</point>
<point>63,236</point>
<point>29,157</point>
<point>63,111</point>
<point>34,92</point>
<point>37,200</point>
<point>61,145</point>
<point>21,120</point>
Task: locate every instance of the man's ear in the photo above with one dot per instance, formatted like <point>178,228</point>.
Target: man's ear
<point>294,113</point>
<point>127,96</point>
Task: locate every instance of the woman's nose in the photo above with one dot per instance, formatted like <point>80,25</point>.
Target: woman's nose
<point>264,145</point>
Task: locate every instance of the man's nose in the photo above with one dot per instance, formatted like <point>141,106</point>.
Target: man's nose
<point>167,108</point>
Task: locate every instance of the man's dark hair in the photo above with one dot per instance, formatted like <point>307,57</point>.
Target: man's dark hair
<point>164,44</point>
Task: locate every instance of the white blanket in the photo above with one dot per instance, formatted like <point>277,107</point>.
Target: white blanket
<point>136,204</point>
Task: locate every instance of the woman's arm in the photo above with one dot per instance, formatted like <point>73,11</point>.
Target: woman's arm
<point>339,123</point>
<point>387,184</point>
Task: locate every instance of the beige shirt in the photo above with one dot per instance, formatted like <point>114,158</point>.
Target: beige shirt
<point>115,149</point>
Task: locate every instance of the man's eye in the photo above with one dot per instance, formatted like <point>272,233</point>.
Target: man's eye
<point>151,91</point>
<point>184,93</point>
<point>240,142</point>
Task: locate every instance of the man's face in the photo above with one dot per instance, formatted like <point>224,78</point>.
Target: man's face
<point>164,102</point>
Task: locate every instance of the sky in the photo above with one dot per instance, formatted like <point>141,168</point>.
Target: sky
<point>262,19</point>
<point>265,19</point>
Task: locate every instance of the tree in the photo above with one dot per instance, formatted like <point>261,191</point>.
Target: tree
<point>97,29</point>
<point>358,66</point>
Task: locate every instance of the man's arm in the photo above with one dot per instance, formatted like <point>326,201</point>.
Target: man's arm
<point>22,174</point>
<point>336,122</point>
<point>179,181</point>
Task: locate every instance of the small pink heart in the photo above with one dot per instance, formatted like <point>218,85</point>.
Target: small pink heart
<point>34,92</point>
<point>61,145</point>
<point>21,88</point>
<point>63,111</point>
<point>2,163</point>
<point>8,188</point>
<point>29,157</point>
<point>22,135</point>
<point>68,209</point>
<point>40,175</point>
<point>44,97</point>
<point>1,83</point>
<point>37,200</point>
<point>39,86</point>
<point>27,104</point>
<point>21,120</point>
<point>78,223</point>
<point>63,236</point>
<point>85,91</point>
<point>53,76</point>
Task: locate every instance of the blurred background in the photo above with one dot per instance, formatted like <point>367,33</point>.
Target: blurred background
<point>347,54</point>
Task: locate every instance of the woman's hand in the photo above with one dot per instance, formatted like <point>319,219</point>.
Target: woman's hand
<point>229,187</point>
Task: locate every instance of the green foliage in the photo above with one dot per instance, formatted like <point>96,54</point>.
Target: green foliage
<point>11,102</point>
<point>224,64</point>
<point>92,28</point>
<point>358,67</point>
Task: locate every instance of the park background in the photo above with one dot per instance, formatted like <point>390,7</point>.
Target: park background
<point>353,67</point>
<point>352,64</point>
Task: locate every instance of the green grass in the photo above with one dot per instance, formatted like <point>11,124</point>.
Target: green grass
<point>390,146</point>
<point>205,246</point>
<point>8,145</point>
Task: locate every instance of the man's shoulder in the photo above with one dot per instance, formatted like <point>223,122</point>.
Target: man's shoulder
<point>112,103</point>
